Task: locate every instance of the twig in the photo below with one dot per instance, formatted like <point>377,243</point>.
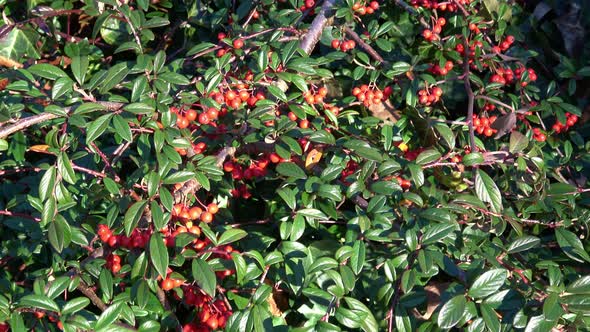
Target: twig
<point>20,215</point>
<point>412,11</point>
<point>465,12</point>
<point>470,95</point>
<point>39,118</point>
<point>164,301</point>
<point>25,123</point>
<point>317,26</point>
<point>495,101</point>
<point>370,50</point>
<point>133,30</point>
<point>84,289</point>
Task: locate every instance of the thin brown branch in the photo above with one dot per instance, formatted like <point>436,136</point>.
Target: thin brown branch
<point>21,124</point>
<point>312,37</point>
<point>470,95</point>
<point>370,50</point>
<point>164,301</point>
<point>18,215</point>
<point>84,289</point>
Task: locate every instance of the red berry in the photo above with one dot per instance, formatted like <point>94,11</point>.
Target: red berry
<point>238,43</point>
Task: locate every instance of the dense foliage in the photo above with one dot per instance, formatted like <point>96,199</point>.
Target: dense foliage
<point>284,165</point>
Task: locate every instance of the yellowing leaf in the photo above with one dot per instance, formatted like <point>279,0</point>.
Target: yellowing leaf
<point>41,148</point>
<point>313,157</point>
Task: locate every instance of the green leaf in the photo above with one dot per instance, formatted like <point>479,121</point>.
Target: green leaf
<point>178,177</point>
<point>487,191</point>
<point>139,108</point>
<point>490,318</point>
<point>357,260</point>
<point>291,169</point>
<point>64,166</point>
<point>174,78</point>
<point>132,216</point>
<point>369,323</point>
<point>580,286</point>
<point>122,128</point>
<point>109,316</point>
<point>59,234</point>
<point>47,183</point>
<point>472,159</point>
<point>204,276</point>
<point>428,156</point>
<point>523,243</point>
<point>571,245</point>
<point>437,232</point>
<point>97,127</point>
<point>38,301</point>
<point>61,86</point>
<point>364,149</point>
<point>75,305</point>
<point>20,42</point>
<point>451,312</point>
<point>47,71</point>
<point>398,68</point>
<point>488,283</point>
<point>159,254</point>
<point>231,235</point>
<point>114,76</point>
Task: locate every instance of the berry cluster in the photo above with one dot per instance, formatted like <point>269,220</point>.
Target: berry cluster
<point>481,125</point>
<point>439,5</point>
<point>508,76</point>
<point>504,45</point>
<point>474,44</point>
<point>212,315</point>
<point>371,95</point>
<point>235,98</point>
<point>571,120</point>
<point>429,96</point>
<point>185,117</point>
<point>437,70</point>
<point>225,253</point>
<point>308,4</point>
<point>169,283</point>
<point>362,8</point>
<point>195,213</point>
<point>538,135</point>
<point>237,44</point>
<point>256,169</point>
<point>343,45</point>
<point>113,263</point>
<point>434,34</point>
<point>314,96</point>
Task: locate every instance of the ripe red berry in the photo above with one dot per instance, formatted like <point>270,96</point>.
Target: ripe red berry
<point>238,44</point>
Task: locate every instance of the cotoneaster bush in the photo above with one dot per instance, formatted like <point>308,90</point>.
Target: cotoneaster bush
<point>291,165</point>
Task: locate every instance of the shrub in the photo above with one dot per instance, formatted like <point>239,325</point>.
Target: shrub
<point>267,165</point>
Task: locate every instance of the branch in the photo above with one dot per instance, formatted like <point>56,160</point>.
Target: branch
<point>84,289</point>
<point>25,123</point>
<point>364,45</point>
<point>317,26</point>
<point>40,118</point>
<point>470,95</point>
<point>164,301</point>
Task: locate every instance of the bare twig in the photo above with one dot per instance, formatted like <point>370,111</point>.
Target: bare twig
<point>317,26</point>
<point>21,124</point>
<point>370,50</point>
<point>470,95</point>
